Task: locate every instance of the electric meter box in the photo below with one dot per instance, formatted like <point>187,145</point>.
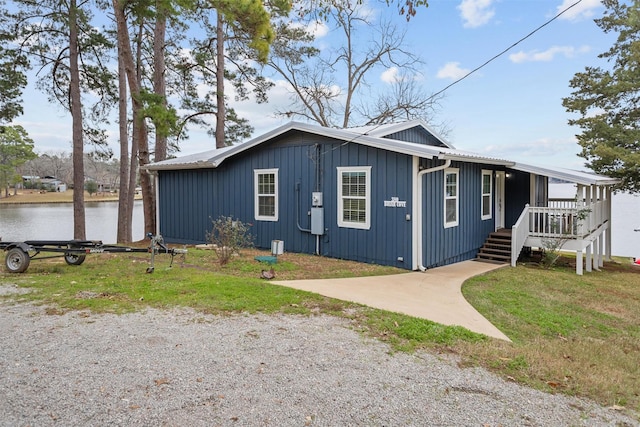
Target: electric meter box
<point>316,198</point>
<point>317,221</point>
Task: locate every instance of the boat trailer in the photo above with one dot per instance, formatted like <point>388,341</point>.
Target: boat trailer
<point>19,254</point>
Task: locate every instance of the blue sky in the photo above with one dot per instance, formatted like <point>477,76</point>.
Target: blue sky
<point>510,108</point>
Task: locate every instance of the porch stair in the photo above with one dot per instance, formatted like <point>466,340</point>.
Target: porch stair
<point>497,247</point>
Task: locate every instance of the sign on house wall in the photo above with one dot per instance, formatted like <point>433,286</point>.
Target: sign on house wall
<point>395,202</point>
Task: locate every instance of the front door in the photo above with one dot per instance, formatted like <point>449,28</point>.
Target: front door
<point>499,199</point>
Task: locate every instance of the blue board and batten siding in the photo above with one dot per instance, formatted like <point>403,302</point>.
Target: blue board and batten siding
<point>190,199</point>
<point>417,136</point>
<point>461,242</point>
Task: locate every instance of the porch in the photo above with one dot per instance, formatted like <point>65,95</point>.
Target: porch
<point>581,225</point>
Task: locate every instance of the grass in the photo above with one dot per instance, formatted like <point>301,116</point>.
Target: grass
<point>578,335</point>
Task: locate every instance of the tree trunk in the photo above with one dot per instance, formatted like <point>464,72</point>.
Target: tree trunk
<point>220,143</point>
<point>125,208</point>
<point>148,196</point>
<point>139,128</point>
<point>79,232</point>
<point>159,83</point>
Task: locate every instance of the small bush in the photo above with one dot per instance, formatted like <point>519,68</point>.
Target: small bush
<point>91,187</point>
<point>228,236</point>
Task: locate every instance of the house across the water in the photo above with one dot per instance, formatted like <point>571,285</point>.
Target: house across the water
<point>395,194</point>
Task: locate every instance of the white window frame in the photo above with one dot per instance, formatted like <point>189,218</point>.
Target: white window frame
<point>366,225</point>
<point>257,195</point>
<point>456,172</point>
<point>484,195</point>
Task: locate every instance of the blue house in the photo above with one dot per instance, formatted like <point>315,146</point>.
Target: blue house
<point>394,194</point>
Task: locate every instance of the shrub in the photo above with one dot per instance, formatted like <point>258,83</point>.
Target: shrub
<point>91,187</point>
<point>228,236</point>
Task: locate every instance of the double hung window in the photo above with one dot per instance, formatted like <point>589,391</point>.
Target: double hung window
<point>266,194</point>
<point>354,197</point>
<point>451,200</point>
<point>487,192</point>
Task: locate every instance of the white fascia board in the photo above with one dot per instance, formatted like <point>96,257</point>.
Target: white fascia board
<point>578,177</point>
<point>469,157</point>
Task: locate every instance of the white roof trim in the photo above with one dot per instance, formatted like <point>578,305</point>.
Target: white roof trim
<point>213,158</point>
<point>578,177</point>
<point>388,129</point>
<point>470,157</point>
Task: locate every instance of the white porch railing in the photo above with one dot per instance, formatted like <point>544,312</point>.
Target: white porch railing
<point>567,220</point>
<point>519,233</point>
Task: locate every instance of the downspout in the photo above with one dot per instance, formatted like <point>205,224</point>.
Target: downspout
<point>417,208</point>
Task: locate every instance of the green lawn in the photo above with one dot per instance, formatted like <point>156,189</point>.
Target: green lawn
<point>578,335</point>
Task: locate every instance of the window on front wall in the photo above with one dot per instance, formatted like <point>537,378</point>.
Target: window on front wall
<point>450,197</point>
<point>354,197</point>
<point>266,194</point>
<point>487,190</point>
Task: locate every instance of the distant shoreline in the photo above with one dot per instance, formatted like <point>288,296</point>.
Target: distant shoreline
<point>30,198</point>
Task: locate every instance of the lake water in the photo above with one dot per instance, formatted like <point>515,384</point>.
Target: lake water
<point>625,219</point>
<point>54,221</point>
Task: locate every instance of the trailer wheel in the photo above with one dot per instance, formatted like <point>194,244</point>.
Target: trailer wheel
<point>74,259</point>
<point>17,260</point>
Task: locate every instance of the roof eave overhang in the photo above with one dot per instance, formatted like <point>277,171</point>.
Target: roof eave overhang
<point>567,175</point>
<point>472,159</point>
<point>178,166</point>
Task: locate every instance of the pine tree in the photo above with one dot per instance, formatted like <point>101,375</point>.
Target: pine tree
<point>608,100</point>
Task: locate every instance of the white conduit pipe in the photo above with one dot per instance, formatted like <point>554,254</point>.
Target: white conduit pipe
<point>418,204</point>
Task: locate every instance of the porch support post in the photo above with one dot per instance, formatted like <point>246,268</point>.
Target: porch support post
<point>587,202</point>
<point>589,259</point>
<point>601,249</point>
<point>607,250</point>
<point>579,263</point>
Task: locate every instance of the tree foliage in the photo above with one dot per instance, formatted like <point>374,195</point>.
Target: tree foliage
<point>16,148</point>
<point>608,100</point>
<point>13,65</point>
<point>406,8</point>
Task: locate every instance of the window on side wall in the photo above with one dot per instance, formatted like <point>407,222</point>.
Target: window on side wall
<point>266,194</point>
<point>451,197</point>
<point>487,193</point>
<point>354,197</point>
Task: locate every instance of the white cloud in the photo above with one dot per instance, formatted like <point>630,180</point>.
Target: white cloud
<point>547,55</point>
<point>319,29</point>
<point>476,13</point>
<point>452,70</point>
<point>394,75</point>
<point>583,10</point>
<point>390,75</point>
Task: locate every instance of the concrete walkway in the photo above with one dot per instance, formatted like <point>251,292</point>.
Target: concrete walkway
<point>434,295</point>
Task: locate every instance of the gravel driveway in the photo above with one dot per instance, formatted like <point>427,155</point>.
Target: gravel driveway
<point>179,367</point>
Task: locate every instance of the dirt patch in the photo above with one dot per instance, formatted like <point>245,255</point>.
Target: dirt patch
<point>12,289</point>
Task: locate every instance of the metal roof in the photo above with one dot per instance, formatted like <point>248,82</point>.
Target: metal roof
<point>213,158</point>
<point>375,139</point>
<point>578,177</point>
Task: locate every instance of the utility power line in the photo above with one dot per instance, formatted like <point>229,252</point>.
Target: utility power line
<point>504,51</point>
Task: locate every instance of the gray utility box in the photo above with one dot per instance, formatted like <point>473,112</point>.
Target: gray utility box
<point>317,221</point>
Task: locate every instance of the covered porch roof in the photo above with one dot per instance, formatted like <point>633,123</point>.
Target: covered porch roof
<point>578,177</point>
